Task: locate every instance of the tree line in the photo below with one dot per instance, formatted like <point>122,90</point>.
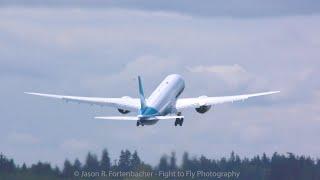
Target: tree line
<point>279,166</point>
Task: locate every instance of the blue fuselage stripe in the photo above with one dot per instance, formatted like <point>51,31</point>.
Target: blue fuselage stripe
<point>147,111</point>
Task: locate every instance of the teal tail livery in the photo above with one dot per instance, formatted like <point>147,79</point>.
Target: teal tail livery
<point>164,103</point>
<point>141,94</point>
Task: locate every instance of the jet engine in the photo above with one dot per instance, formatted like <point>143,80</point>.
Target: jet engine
<point>123,111</point>
<point>203,109</point>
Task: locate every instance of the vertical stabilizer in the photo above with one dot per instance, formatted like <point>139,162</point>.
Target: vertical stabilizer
<point>141,94</point>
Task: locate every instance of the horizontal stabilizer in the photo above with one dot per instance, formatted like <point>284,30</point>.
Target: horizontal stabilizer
<point>167,117</point>
<point>136,118</point>
<point>124,118</point>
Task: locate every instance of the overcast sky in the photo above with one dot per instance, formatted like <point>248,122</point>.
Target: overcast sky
<point>220,49</point>
<point>243,8</point>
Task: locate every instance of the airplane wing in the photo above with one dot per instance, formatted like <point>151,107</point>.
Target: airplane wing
<point>126,103</point>
<point>203,100</point>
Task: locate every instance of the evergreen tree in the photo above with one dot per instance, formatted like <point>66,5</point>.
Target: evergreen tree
<point>92,163</point>
<point>173,162</point>
<point>105,163</point>
<point>232,157</point>
<point>24,167</point>
<point>205,163</point>
<point>42,168</point>
<point>6,165</point>
<point>77,166</point>
<point>163,164</point>
<point>124,161</point>
<point>135,161</point>
<point>284,167</point>
<point>67,169</point>
<point>185,161</point>
<point>56,171</point>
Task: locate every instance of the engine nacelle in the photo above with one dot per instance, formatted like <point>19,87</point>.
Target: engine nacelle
<point>123,111</point>
<point>203,109</point>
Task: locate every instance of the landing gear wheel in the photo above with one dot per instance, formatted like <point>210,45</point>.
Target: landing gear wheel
<point>139,123</point>
<point>178,122</point>
<point>181,122</point>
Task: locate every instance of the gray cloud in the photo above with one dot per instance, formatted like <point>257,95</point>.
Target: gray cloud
<point>99,52</point>
<point>233,75</point>
<point>22,138</point>
<point>246,8</point>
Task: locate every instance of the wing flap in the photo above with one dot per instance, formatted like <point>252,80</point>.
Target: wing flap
<point>125,103</point>
<point>196,102</point>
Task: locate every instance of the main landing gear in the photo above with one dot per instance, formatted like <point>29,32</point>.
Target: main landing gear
<point>179,121</point>
<point>139,123</point>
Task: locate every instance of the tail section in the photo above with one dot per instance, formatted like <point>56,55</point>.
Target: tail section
<point>141,94</point>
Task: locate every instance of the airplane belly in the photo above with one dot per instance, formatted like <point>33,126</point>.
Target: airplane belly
<point>149,122</point>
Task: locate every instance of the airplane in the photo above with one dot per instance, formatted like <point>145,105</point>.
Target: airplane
<point>163,104</point>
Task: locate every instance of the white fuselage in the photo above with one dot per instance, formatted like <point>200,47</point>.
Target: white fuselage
<point>163,99</point>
